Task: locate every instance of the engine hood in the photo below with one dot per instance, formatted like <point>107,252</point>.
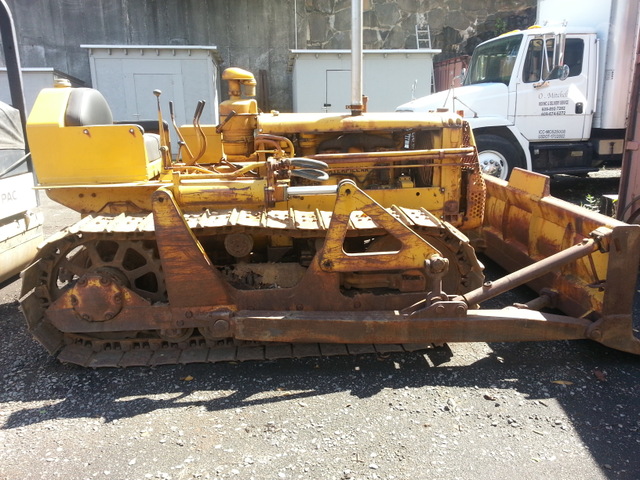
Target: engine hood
<point>481,99</point>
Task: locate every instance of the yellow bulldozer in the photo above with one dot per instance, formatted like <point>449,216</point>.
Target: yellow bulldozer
<point>274,235</point>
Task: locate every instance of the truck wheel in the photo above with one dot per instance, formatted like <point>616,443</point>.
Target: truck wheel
<point>497,156</point>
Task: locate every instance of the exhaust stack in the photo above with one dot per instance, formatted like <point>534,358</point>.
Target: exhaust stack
<point>356,106</point>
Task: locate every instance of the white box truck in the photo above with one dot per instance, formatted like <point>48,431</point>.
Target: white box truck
<point>552,98</point>
<point>20,221</point>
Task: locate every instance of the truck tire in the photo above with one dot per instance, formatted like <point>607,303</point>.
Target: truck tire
<point>497,156</point>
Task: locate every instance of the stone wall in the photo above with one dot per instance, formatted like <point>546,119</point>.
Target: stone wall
<point>456,26</point>
<point>252,34</point>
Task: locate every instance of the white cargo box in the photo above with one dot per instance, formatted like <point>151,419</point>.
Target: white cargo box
<point>127,75</point>
<point>322,78</point>
<point>34,80</point>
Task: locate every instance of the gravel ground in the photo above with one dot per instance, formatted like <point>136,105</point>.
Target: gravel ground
<point>532,410</point>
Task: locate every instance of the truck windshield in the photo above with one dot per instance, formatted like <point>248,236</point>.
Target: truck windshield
<point>494,61</point>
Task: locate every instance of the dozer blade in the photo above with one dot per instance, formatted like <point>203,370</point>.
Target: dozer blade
<point>524,224</point>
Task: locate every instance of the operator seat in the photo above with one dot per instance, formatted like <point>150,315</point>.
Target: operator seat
<point>87,106</point>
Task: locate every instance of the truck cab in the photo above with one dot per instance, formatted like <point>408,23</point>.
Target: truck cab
<point>550,98</point>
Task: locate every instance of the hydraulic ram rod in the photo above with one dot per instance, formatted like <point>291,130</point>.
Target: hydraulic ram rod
<point>528,273</point>
<point>396,155</point>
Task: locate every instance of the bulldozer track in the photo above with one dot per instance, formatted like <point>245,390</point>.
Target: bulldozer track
<point>60,262</point>
<point>154,352</point>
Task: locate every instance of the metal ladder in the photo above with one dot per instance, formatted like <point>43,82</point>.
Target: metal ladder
<point>423,40</point>
<point>423,36</point>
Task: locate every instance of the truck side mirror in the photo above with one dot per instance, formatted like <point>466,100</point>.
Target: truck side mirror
<point>564,72</point>
<point>558,51</point>
<point>555,60</point>
<point>559,72</point>
<point>461,76</point>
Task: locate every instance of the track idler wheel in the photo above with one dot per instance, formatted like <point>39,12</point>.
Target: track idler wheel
<point>176,335</point>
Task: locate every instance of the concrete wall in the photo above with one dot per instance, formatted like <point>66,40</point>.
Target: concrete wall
<point>252,34</point>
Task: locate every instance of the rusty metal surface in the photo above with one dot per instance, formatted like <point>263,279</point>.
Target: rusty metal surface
<point>526,274</point>
<point>615,328</point>
<point>97,298</point>
<point>523,224</point>
<point>628,208</point>
<point>395,327</point>
<point>104,318</point>
<point>56,320</point>
<point>412,252</point>
<point>183,259</point>
<point>98,353</point>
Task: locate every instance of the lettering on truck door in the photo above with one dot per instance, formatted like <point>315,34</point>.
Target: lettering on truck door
<point>549,108</point>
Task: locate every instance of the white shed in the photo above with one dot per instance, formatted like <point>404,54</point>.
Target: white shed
<point>322,78</point>
<point>34,80</point>
<point>127,75</point>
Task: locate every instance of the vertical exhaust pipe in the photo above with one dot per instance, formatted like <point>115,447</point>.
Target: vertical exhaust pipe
<point>356,106</point>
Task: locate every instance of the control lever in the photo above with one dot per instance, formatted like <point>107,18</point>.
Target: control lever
<point>165,141</point>
<point>202,138</point>
<point>232,114</point>
<point>181,143</point>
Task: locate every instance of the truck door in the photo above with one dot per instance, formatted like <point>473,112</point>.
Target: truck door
<point>548,107</point>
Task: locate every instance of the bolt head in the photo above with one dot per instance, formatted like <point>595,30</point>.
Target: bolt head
<point>221,326</point>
